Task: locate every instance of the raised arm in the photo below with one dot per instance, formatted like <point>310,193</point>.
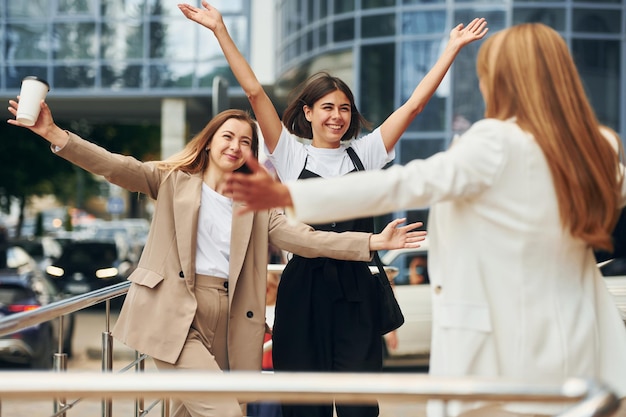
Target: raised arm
<point>263,108</point>
<point>397,123</point>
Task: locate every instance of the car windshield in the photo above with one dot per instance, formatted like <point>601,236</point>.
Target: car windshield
<point>89,254</point>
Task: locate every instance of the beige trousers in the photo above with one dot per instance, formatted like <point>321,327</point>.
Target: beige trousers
<point>205,349</point>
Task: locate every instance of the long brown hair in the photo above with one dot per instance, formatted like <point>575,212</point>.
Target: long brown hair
<point>527,72</point>
<point>307,94</point>
<point>194,157</point>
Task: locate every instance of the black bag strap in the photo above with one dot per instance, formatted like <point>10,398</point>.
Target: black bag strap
<point>355,159</point>
<point>359,166</point>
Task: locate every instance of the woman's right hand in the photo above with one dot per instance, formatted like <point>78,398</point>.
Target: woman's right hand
<point>206,15</point>
<point>44,126</point>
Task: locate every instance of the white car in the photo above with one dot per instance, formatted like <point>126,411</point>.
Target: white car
<point>413,337</point>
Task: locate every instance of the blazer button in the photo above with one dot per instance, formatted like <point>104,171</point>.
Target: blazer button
<point>437,289</point>
<point>181,275</point>
<point>226,284</point>
<point>249,314</point>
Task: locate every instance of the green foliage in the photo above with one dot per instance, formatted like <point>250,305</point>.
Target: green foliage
<point>28,167</point>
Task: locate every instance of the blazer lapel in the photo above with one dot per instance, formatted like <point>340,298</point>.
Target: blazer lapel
<point>241,232</point>
<point>186,211</point>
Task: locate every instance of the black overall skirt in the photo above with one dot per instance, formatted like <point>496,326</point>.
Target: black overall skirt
<point>327,320</point>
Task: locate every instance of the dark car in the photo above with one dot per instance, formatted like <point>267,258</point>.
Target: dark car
<point>44,250</point>
<point>88,265</point>
<point>24,287</point>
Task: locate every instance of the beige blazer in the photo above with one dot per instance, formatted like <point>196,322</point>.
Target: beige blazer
<point>161,303</point>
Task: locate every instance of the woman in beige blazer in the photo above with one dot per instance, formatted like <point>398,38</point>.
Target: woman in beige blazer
<point>197,299</point>
<point>518,203</point>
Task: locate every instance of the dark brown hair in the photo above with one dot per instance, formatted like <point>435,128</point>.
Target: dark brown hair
<point>307,94</point>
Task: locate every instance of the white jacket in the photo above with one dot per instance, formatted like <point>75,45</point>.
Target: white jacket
<point>514,294</point>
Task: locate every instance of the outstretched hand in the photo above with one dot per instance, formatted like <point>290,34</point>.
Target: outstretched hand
<point>44,125</point>
<point>257,190</point>
<point>394,236</point>
<point>206,15</point>
<point>474,31</point>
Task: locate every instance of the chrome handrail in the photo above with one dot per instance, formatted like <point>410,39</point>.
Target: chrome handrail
<point>588,398</point>
<point>19,321</point>
<point>593,399</point>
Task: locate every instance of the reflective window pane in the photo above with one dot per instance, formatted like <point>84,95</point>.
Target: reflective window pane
<point>597,21</point>
<point>15,74</point>
<point>371,4</point>
<point>555,18</point>
<point>417,59</point>
<point>172,39</point>
<point>170,7</point>
<point>34,8</point>
<point>344,6</point>
<point>208,48</point>
<point>123,9</point>
<point>599,65</point>
<point>121,76</point>
<point>171,75</point>
<point>422,1</point>
<point>74,76</point>
<point>122,40</point>
<point>76,6</point>
<point>343,30</point>
<point>379,25</point>
<point>423,22</point>
<point>205,73</point>
<point>377,82</point>
<point>27,41</point>
<point>74,40</point>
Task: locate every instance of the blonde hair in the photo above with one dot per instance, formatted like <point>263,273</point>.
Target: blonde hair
<point>194,158</point>
<point>527,72</point>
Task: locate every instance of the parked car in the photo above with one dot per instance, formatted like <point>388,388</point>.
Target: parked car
<point>24,287</point>
<point>43,249</point>
<point>88,265</point>
<point>414,296</point>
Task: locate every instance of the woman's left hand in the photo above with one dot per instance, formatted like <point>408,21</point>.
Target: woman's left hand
<point>474,31</point>
<point>395,236</point>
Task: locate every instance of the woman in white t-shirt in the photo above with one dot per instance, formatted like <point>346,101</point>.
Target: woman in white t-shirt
<point>327,315</point>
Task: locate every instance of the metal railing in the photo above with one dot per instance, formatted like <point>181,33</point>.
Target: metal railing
<point>587,398</point>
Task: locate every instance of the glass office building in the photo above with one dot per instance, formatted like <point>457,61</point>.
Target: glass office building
<point>121,54</point>
<point>383,48</point>
<point>121,60</point>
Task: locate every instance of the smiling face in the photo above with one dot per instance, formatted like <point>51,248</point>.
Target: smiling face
<point>227,146</point>
<point>330,118</point>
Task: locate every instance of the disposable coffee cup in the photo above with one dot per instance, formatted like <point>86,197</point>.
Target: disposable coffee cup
<point>33,90</point>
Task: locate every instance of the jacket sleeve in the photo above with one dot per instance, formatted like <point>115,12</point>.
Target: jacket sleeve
<point>122,170</point>
<point>469,167</point>
<point>305,241</point>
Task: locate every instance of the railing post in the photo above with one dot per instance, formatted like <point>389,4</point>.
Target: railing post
<point>60,365</point>
<point>107,359</point>
<point>165,411</point>
<point>140,366</point>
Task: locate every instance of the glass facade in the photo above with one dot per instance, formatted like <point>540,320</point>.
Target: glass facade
<point>115,47</point>
<point>395,42</point>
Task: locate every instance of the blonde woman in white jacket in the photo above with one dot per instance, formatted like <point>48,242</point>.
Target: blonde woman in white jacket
<point>518,204</point>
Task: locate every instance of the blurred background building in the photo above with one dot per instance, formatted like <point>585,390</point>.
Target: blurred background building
<point>142,62</point>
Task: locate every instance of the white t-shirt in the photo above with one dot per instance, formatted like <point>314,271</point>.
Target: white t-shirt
<point>290,155</point>
<point>214,226</point>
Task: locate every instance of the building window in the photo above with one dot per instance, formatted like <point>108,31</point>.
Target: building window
<point>378,25</point>
<point>377,77</point>
<point>599,64</point>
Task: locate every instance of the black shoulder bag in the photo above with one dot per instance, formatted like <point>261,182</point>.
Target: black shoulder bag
<point>391,315</point>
